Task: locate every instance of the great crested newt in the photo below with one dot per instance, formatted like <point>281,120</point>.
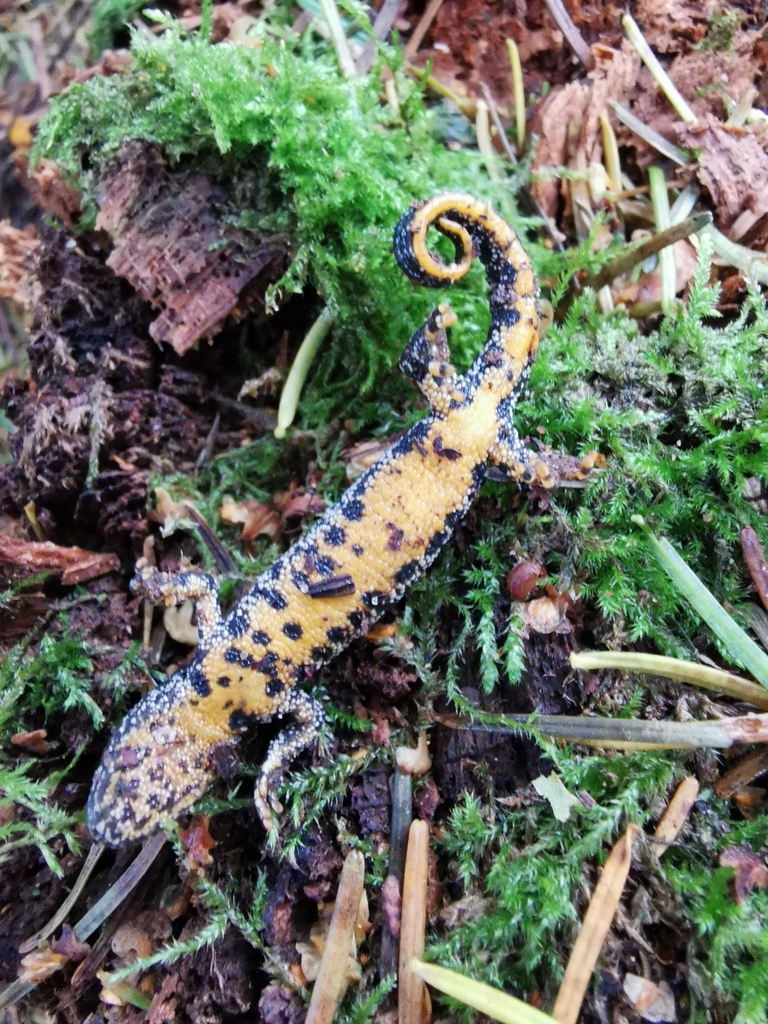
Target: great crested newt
<point>355,562</point>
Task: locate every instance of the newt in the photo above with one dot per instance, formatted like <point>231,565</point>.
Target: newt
<point>355,562</point>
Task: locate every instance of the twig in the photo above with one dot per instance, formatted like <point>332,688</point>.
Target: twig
<point>496,118</point>
<point>675,153</point>
<point>341,43</point>
<point>750,263</point>
<point>673,668</point>
<point>381,29</point>
<point>665,83</point>
<point>576,40</point>
<point>518,91</point>
<point>85,873</point>
<point>410,988</point>
<point>205,451</point>
<point>402,812</point>
<point>624,263</point>
<point>261,417</point>
<point>99,912</point>
<point>594,930</point>
<point>417,36</point>
<point>626,733</point>
<point>331,977</point>
<point>675,816</point>
<point>289,399</point>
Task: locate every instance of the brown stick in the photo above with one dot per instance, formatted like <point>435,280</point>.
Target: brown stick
<point>421,29</point>
<point>410,988</point>
<point>594,930</point>
<point>331,977</point>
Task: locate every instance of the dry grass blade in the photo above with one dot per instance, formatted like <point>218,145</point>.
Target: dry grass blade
<point>660,203</point>
<point>672,668</point>
<point>338,36</point>
<point>650,135</point>
<point>675,816</point>
<point>490,1001</point>
<point>575,39</point>
<point>594,930</point>
<point>411,992</point>
<point>330,981</point>
<point>663,80</point>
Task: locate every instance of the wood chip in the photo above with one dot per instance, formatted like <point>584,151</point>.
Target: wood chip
<point>75,564</point>
<point>745,771</point>
<point>676,815</point>
<point>594,930</point>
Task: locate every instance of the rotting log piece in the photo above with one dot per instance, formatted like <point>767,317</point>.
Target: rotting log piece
<point>174,246</point>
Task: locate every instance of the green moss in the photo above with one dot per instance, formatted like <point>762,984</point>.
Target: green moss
<point>310,154</point>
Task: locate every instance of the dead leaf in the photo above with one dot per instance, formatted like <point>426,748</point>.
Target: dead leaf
<point>75,564</point>
<point>523,579</point>
<point>732,166</point>
<point>48,189</point>
<point>294,503</point>
<point>653,1002</point>
<point>16,263</point>
<point>256,518</point>
<point>68,945</point>
<point>545,615</point>
<point>34,741</point>
<point>749,870</point>
<point>553,790</point>
<point>198,843</point>
<point>40,965</point>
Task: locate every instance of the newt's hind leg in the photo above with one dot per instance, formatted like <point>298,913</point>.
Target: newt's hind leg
<point>513,461</point>
<point>168,589</point>
<point>309,716</point>
<point>427,361</point>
